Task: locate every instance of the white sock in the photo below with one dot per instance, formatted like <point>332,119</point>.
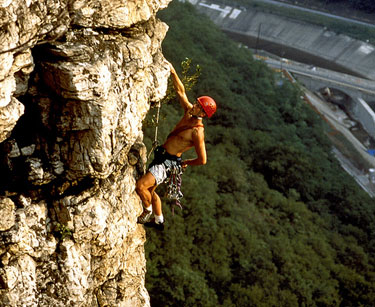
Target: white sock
<point>149,208</point>
<point>159,219</point>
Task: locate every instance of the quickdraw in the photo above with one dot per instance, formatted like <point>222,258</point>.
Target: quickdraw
<point>174,186</point>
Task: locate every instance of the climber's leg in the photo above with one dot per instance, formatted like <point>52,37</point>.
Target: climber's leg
<point>156,202</point>
<point>144,188</point>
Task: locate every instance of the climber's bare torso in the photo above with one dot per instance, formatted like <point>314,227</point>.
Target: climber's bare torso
<point>187,138</point>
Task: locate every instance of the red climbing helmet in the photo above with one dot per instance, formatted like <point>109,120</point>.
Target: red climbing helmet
<point>208,105</point>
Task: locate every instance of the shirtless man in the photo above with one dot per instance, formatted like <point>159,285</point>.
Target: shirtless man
<point>188,133</point>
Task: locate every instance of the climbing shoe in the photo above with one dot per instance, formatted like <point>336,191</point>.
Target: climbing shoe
<point>145,216</point>
<point>152,224</point>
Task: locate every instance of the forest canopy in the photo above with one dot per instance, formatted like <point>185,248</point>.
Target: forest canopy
<point>271,219</point>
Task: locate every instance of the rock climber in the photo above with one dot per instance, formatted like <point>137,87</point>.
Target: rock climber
<point>188,133</point>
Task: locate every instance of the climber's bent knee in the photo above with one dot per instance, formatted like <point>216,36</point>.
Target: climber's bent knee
<point>146,182</point>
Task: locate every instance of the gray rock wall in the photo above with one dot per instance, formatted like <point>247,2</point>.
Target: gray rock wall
<point>77,78</point>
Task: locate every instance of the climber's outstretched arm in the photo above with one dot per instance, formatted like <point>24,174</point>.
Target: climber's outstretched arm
<point>180,90</point>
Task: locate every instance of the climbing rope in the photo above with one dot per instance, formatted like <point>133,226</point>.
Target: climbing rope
<point>155,142</point>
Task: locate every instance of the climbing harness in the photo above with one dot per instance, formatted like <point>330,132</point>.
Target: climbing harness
<point>174,185</point>
<point>173,169</point>
<point>155,142</point>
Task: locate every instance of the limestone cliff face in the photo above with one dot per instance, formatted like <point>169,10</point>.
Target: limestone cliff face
<point>77,78</point>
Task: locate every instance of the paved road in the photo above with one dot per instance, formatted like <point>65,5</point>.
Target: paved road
<point>333,117</point>
<point>361,178</point>
<point>345,80</point>
<point>336,120</point>
<point>318,12</point>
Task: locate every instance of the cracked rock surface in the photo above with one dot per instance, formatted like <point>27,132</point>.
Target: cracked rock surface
<point>77,79</point>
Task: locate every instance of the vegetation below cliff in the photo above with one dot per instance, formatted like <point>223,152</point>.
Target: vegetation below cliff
<point>272,219</point>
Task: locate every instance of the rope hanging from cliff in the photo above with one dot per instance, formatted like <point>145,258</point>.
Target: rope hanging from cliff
<point>155,142</point>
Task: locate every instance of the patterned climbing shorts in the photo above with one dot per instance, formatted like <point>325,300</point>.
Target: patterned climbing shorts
<point>162,164</point>
<point>159,172</point>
